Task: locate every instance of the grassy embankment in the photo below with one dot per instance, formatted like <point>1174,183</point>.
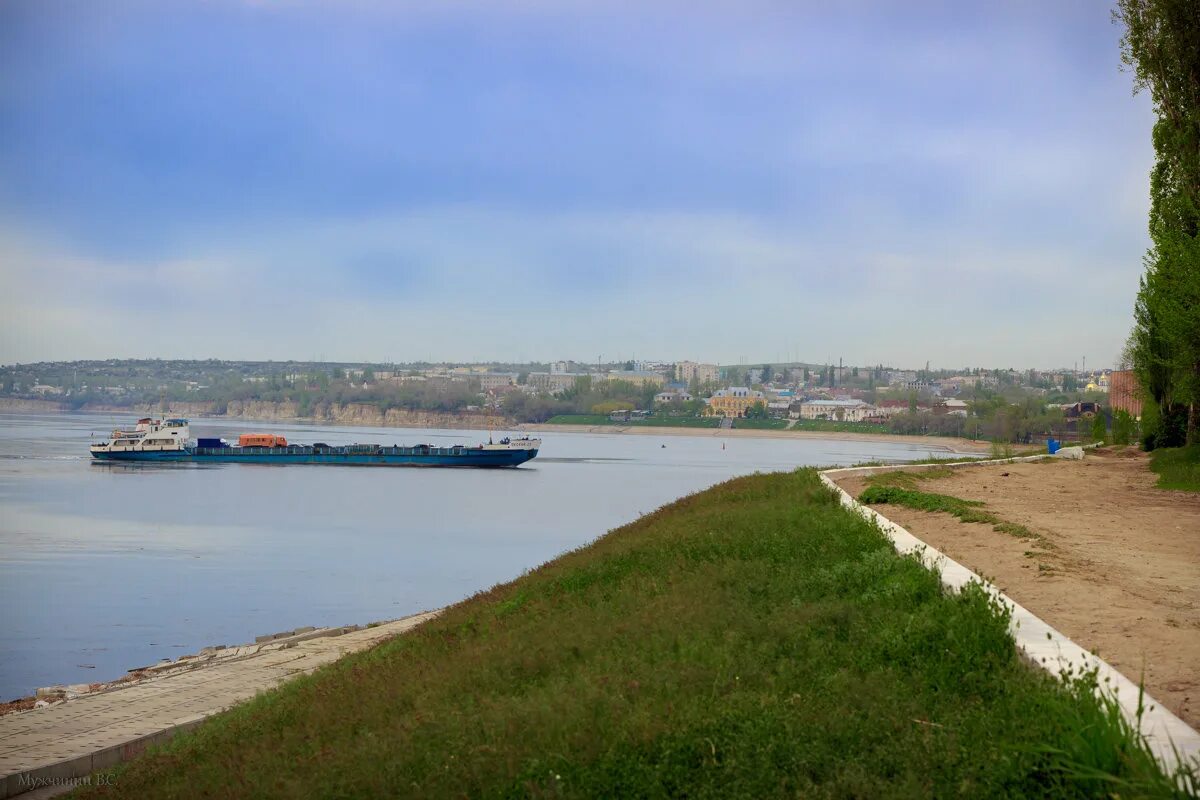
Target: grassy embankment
<point>752,640</point>
<point>1177,468</point>
<point>824,425</point>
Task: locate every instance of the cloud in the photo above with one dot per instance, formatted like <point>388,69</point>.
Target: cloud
<point>379,179</point>
<point>503,285</point>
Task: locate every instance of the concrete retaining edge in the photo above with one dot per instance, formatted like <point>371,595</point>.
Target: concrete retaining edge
<point>1171,739</point>
<point>72,773</point>
<point>86,770</point>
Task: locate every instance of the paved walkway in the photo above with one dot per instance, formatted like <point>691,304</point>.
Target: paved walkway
<point>54,746</point>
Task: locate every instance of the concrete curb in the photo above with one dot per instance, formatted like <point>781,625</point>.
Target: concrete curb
<point>81,771</point>
<point>1172,740</point>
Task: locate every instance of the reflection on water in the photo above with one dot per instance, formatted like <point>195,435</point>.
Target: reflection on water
<point>105,567</point>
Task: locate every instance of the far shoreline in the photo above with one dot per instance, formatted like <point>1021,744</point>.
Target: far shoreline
<point>947,444</point>
<point>944,443</point>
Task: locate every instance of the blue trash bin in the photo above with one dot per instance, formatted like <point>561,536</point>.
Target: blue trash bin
<point>1052,445</point>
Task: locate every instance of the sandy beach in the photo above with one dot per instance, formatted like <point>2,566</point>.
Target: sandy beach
<point>1115,565</point>
<point>947,444</point>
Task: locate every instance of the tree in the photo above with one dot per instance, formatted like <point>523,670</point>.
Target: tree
<point>1099,428</point>
<point>767,374</point>
<point>1161,46</point>
<point>1123,428</point>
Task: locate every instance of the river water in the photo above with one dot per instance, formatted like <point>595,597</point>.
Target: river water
<point>107,567</point>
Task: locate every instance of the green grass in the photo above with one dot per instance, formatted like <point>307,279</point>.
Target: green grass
<point>899,488</point>
<point>909,478</point>
<point>753,640</point>
<point>831,425</point>
<point>761,424</point>
<point>1177,468</point>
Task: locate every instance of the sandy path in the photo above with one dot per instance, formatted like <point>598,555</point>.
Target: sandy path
<point>1118,570</point>
<point>948,444</point>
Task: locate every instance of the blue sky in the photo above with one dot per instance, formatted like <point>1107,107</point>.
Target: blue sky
<point>963,183</point>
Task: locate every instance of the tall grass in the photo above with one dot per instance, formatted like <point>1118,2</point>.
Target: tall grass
<point>753,640</point>
<point>1177,468</point>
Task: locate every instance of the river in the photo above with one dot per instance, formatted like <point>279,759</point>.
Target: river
<point>107,567</point>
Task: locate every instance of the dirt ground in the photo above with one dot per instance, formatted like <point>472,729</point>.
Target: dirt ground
<point>1116,567</point>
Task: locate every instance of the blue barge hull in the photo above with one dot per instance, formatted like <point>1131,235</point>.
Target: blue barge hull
<point>419,456</point>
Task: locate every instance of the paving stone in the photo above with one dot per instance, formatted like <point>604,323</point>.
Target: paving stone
<point>60,740</point>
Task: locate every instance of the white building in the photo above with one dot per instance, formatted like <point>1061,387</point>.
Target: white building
<point>842,410</point>
<point>955,407</point>
<point>553,383</point>
<point>672,396</point>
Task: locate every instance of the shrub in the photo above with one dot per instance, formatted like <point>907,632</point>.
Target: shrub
<point>1123,428</point>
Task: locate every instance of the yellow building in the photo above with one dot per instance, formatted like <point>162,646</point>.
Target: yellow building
<point>733,402</point>
<point>638,377</point>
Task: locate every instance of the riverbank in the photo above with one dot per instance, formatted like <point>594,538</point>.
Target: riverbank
<point>366,415</point>
<point>82,732</point>
<point>946,444</point>
<point>754,639</point>
<point>348,414</point>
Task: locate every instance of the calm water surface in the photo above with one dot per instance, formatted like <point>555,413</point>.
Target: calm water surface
<point>106,567</point>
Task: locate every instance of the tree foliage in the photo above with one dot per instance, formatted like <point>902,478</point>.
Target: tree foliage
<point>1161,47</point>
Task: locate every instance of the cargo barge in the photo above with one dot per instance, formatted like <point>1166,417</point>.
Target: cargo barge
<point>168,440</point>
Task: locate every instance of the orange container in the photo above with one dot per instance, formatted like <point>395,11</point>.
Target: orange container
<point>261,440</point>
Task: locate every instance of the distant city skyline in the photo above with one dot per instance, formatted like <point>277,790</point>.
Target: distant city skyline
<point>517,181</point>
<point>581,366</point>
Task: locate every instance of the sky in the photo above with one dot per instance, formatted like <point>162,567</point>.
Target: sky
<point>883,182</point>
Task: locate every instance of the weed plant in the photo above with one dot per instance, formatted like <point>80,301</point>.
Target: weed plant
<point>1177,468</point>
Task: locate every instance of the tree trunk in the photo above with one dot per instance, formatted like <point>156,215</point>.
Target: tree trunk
<point>1193,435</point>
